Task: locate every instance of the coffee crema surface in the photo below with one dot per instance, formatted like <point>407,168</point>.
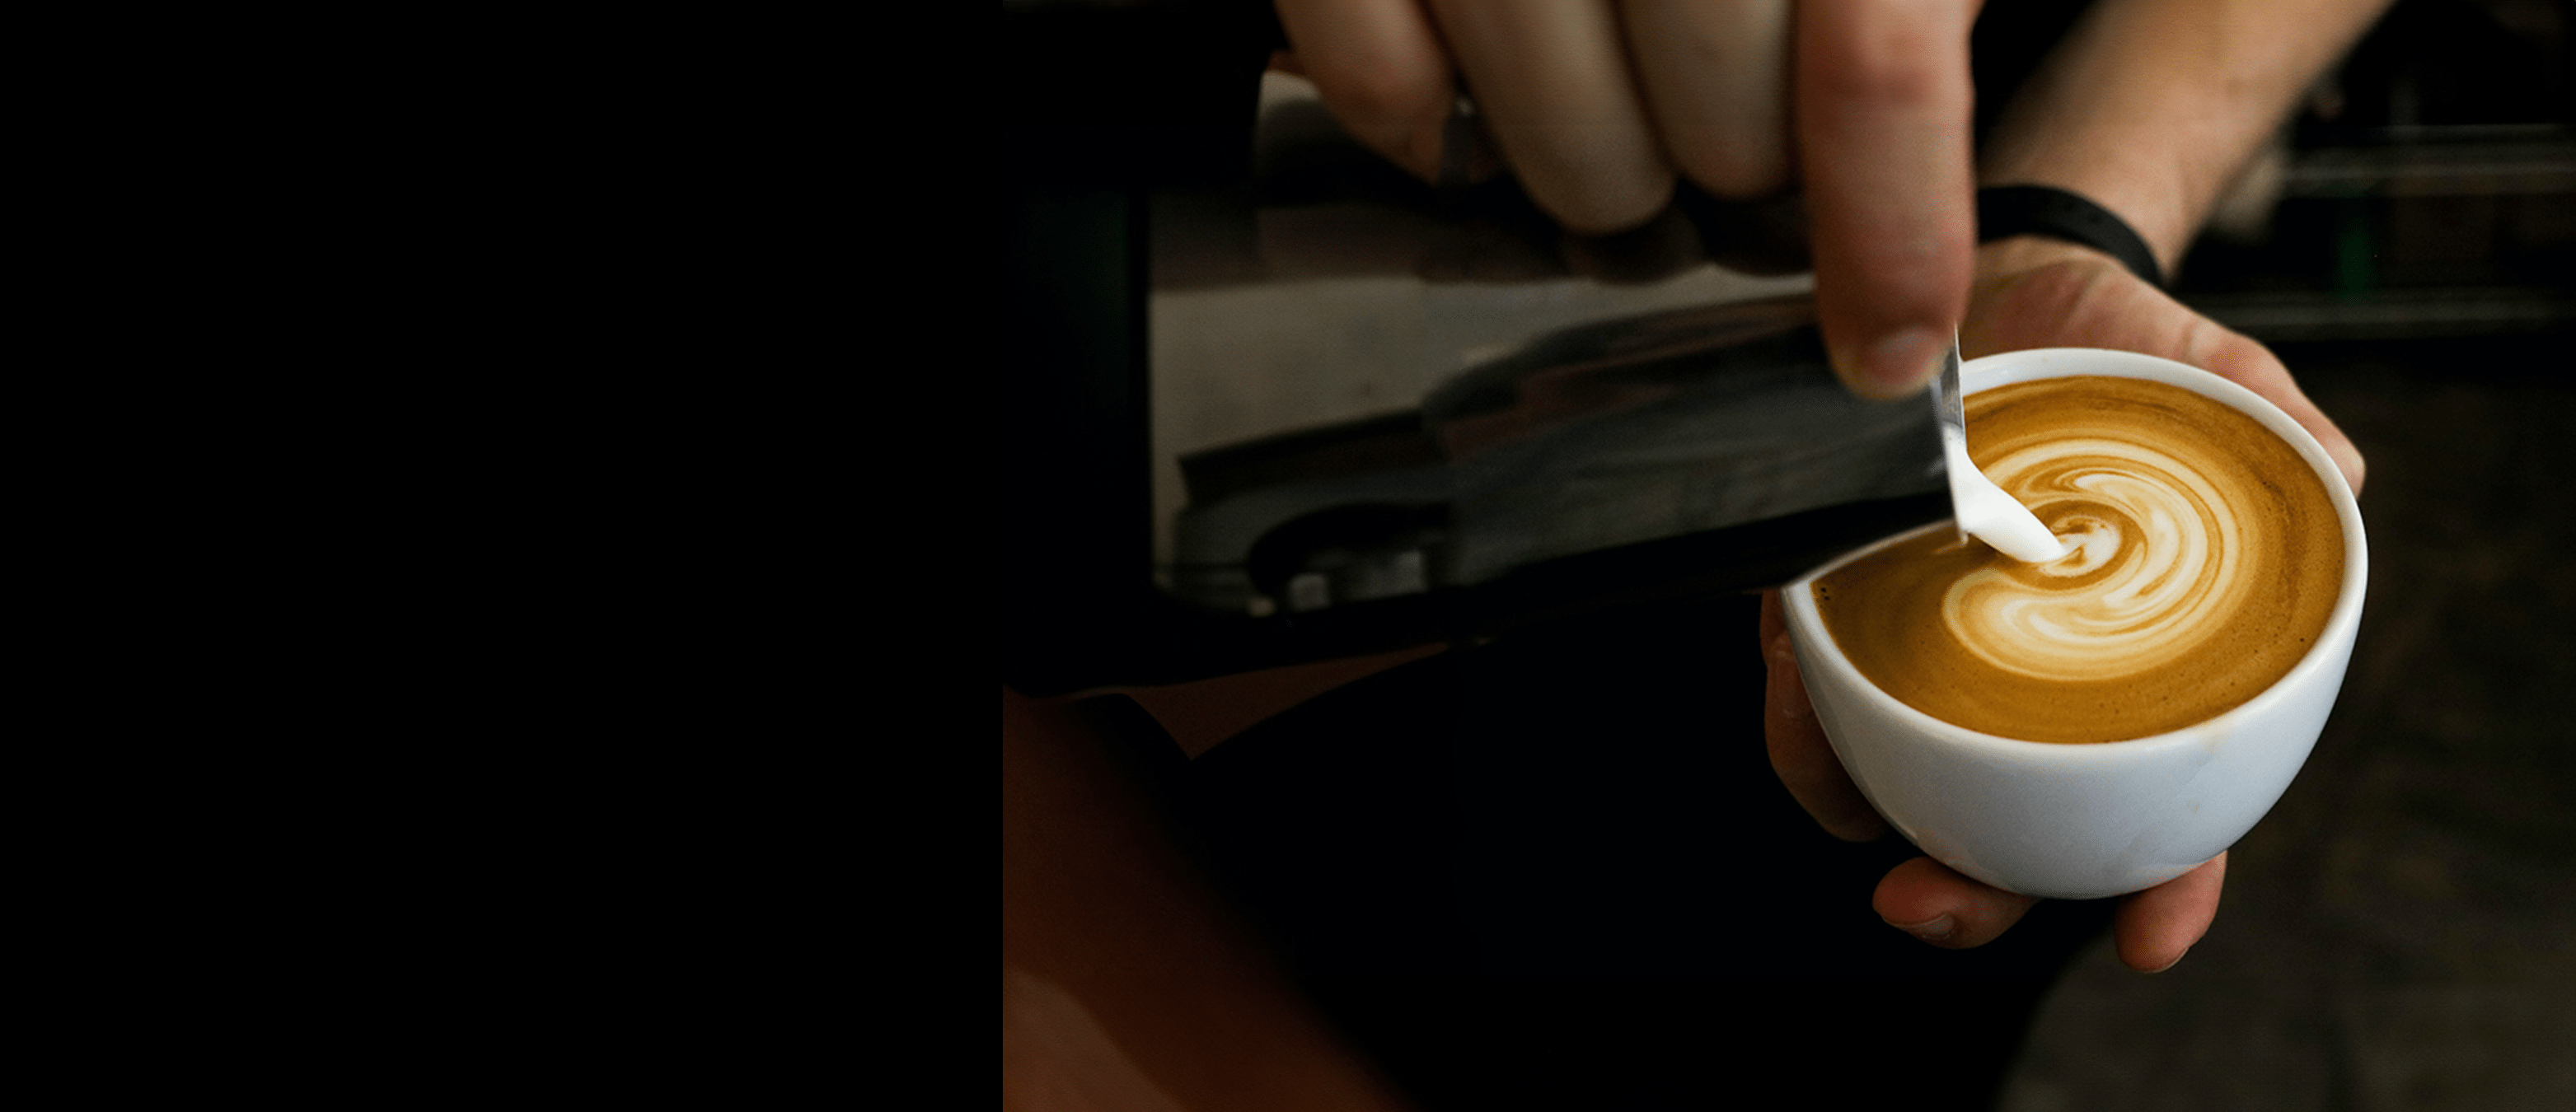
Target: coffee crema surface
<point>2209,557</point>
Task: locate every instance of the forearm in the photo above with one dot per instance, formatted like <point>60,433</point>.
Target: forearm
<point>2150,107</point>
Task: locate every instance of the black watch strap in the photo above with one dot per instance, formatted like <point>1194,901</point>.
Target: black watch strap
<point>2013,210</point>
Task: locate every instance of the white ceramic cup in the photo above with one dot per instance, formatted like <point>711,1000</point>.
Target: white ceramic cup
<point>2085,821</point>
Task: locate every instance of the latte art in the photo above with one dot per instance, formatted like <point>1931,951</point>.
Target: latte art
<point>2207,558</point>
<point>2151,578</point>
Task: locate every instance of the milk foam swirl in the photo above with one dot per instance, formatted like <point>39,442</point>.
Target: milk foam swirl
<point>2155,574</point>
<point>2209,555</point>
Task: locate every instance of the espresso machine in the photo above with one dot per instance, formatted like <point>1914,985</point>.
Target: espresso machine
<point>1272,401</point>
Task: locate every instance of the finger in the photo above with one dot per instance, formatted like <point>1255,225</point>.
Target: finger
<point>2155,928</point>
<point>1716,84</point>
<point>1882,109</point>
<point>1800,755</point>
<point>1381,71</point>
<point>2240,359</point>
<point>1923,898</point>
<point>1551,80</point>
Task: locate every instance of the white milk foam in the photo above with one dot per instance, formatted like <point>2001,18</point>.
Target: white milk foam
<point>2154,575</point>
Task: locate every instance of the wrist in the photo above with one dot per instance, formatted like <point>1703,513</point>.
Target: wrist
<point>2011,255</point>
<point>2145,200</point>
<point>2005,211</point>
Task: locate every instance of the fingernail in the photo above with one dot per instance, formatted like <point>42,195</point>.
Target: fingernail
<point>1788,708</point>
<point>1465,157</point>
<point>1939,928</point>
<point>1788,699</point>
<point>2186,952</point>
<point>1864,827</point>
<point>1898,364</point>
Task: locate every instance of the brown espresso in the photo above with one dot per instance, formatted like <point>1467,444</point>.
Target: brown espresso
<point>2210,557</point>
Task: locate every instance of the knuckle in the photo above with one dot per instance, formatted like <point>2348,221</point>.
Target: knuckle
<point>1890,78</point>
<point>1895,62</point>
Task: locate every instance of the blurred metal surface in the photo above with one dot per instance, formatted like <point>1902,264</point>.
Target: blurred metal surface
<point>1592,438</point>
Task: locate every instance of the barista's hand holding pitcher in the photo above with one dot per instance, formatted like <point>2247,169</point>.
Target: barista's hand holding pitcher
<point>2034,293</point>
<point>1596,105</point>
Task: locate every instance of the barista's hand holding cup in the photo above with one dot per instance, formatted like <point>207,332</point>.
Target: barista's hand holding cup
<point>2107,722</point>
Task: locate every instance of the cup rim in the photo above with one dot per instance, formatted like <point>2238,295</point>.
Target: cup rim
<point>2007,368</point>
